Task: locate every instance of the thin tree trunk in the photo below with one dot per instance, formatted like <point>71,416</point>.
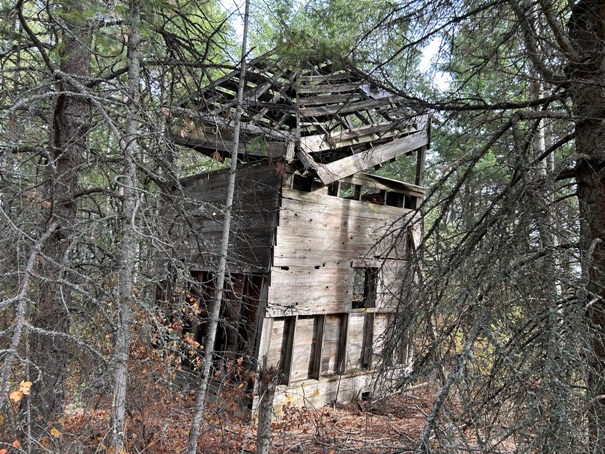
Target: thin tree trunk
<point>554,382</point>
<point>128,263</point>
<point>267,382</point>
<point>204,378</point>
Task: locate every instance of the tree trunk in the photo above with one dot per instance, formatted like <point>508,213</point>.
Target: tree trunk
<point>587,73</point>
<point>204,378</point>
<point>50,316</point>
<point>267,382</point>
<point>128,261</point>
<point>591,195</point>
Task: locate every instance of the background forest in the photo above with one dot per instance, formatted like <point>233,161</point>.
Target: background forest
<point>505,304</point>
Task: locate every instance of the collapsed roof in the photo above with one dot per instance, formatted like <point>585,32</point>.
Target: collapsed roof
<point>329,121</point>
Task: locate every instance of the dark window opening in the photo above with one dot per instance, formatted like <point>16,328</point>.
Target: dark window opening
<point>409,243</point>
<point>410,202</point>
<point>305,184</point>
<point>378,198</point>
<point>395,199</point>
<point>334,189</point>
<point>346,191</point>
<point>364,287</point>
<point>235,334</point>
<point>372,195</point>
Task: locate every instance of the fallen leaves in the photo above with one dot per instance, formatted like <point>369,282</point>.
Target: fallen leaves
<point>23,390</point>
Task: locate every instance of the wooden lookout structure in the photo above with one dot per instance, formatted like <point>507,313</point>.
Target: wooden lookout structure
<point>319,240</point>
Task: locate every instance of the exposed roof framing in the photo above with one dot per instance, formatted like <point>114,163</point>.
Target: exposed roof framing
<point>333,120</point>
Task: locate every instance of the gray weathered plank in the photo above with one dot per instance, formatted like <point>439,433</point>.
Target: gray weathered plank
<point>352,106</point>
<point>359,162</point>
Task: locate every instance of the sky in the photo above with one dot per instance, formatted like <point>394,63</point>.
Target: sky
<point>235,8</point>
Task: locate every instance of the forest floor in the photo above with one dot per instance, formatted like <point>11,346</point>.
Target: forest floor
<point>159,426</point>
<point>387,426</point>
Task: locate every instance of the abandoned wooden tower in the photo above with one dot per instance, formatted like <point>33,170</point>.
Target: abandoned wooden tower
<point>318,245</point>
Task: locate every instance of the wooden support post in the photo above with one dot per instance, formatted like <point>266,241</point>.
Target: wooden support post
<point>290,327</point>
<point>319,347</point>
<point>342,345</point>
<point>420,164</point>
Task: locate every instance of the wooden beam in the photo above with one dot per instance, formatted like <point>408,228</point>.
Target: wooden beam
<point>421,161</point>
<point>311,165</point>
<point>364,134</point>
<point>420,165</point>
<point>327,99</point>
<point>227,124</point>
<point>290,150</point>
<point>208,144</point>
<point>377,182</point>
<point>327,88</point>
<point>342,109</point>
<point>326,78</point>
<point>337,170</point>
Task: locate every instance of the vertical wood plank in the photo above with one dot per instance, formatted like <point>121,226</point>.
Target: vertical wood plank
<point>420,165</point>
<point>342,344</point>
<point>316,364</point>
<point>288,347</point>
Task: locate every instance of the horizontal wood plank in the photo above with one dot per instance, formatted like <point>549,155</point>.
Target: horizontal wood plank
<point>337,170</point>
<point>327,88</point>
<point>310,202</point>
<point>292,309</point>
<point>328,99</point>
<point>377,182</point>
<point>301,276</point>
<point>341,109</point>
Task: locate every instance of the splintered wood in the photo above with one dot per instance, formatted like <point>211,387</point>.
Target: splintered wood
<point>328,112</point>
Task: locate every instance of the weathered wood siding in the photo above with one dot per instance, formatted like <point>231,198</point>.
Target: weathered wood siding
<point>254,218</point>
<point>332,342</point>
<point>319,241</point>
<point>304,349</point>
<point>355,342</point>
<point>276,341</point>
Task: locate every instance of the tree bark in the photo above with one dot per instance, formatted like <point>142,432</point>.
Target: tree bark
<point>267,383</point>
<point>587,73</point>
<point>67,144</point>
<point>204,378</point>
<point>128,261</point>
